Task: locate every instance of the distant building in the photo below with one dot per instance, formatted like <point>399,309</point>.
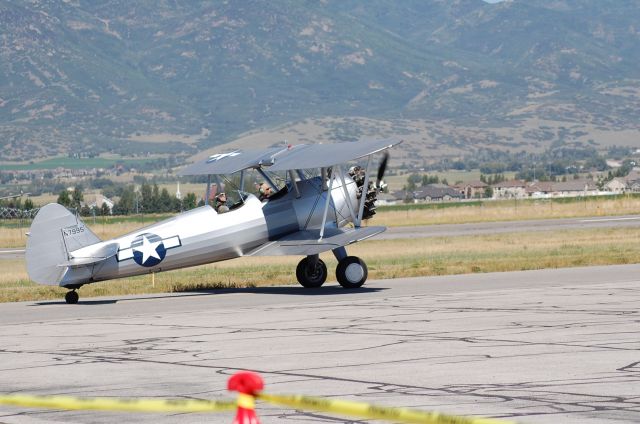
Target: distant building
<point>387,199</point>
<point>436,193</point>
<point>574,188</point>
<point>473,189</point>
<point>513,189</point>
<point>100,200</point>
<point>178,194</point>
<point>616,185</point>
<point>403,196</point>
<point>540,189</point>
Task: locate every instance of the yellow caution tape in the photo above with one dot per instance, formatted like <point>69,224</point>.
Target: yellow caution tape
<point>365,410</point>
<point>349,408</point>
<point>246,401</point>
<point>119,404</point>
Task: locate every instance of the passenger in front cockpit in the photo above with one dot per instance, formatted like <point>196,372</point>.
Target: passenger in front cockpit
<point>265,191</point>
<point>221,203</point>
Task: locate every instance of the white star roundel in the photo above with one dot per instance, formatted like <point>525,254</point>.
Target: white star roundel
<point>148,249</point>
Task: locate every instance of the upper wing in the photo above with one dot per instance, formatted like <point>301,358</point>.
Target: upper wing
<point>307,242</point>
<point>325,155</point>
<point>302,156</point>
<point>228,163</point>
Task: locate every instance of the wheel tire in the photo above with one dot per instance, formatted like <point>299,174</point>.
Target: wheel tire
<point>71,297</point>
<point>351,272</point>
<point>314,279</point>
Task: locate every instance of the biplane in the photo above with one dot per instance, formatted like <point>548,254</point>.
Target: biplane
<point>311,205</point>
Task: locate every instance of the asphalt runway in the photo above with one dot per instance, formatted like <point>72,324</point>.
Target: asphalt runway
<point>536,346</point>
<point>450,230</point>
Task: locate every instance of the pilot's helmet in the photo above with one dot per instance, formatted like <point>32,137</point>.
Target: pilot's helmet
<point>222,197</point>
<point>354,170</point>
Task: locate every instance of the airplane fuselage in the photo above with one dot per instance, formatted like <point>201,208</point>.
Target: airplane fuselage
<point>202,235</point>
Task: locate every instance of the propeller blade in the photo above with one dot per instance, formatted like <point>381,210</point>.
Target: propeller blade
<point>382,168</point>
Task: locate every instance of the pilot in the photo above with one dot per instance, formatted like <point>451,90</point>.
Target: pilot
<point>265,191</point>
<point>221,203</point>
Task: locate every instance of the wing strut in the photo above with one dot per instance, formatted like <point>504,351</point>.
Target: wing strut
<point>294,183</point>
<point>346,194</point>
<point>326,206</point>
<point>363,196</point>
<point>206,199</point>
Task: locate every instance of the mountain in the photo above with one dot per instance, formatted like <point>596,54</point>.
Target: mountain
<point>143,77</point>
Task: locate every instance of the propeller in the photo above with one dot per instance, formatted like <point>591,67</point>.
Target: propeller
<point>382,168</point>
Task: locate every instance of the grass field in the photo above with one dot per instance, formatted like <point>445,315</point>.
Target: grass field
<point>72,163</point>
<point>12,232</point>
<point>385,259</point>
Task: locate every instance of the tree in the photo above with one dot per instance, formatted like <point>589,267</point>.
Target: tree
<point>165,203</point>
<point>64,199</point>
<point>126,205</point>
<point>28,204</point>
<point>189,201</point>
<point>146,193</point>
<point>77,197</point>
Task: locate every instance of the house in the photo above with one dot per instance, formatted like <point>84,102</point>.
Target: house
<point>387,199</point>
<point>513,189</point>
<point>100,200</point>
<point>403,196</point>
<point>436,193</point>
<point>616,185</point>
<point>540,189</point>
<point>574,188</point>
<point>473,189</point>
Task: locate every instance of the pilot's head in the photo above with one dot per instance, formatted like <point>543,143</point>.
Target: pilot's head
<point>265,189</point>
<point>221,198</point>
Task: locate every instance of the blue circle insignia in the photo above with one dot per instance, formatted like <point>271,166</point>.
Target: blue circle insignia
<point>148,249</point>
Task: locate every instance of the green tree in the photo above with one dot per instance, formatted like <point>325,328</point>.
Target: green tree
<point>189,201</point>
<point>77,197</point>
<point>146,192</point>
<point>126,205</point>
<point>28,204</point>
<point>165,203</point>
<point>64,199</point>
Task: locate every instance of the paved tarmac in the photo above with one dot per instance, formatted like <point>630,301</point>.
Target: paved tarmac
<point>536,346</point>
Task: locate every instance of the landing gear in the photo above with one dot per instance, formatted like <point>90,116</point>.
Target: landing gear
<point>351,272</point>
<point>311,272</point>
<point>71,297</point>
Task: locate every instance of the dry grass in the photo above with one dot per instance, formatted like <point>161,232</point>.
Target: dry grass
<point>107,228</point>
<point>385,258</point>
<point>509,210</point>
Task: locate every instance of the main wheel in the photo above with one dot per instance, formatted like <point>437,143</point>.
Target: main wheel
<point>351,272</point>
<point>311,278</point>
<point>71,297</point>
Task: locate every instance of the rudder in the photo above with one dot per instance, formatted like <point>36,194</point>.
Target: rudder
<point>53,234</point>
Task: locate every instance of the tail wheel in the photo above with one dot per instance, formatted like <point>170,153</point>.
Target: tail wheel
<point>71,297</point>
<point>311,276</point>
<point>351,272</point>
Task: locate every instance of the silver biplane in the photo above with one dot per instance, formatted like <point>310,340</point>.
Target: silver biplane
<point>315,207</point>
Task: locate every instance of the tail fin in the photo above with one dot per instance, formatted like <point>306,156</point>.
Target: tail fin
<point>54,233</point>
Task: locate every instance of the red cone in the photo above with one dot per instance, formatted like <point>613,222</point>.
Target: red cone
<point>247,384</point>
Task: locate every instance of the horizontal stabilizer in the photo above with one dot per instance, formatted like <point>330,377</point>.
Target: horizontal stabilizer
<point>308,242</point>
<point>91,255</point>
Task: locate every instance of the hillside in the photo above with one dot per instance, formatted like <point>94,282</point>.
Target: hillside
<point>449,76</point>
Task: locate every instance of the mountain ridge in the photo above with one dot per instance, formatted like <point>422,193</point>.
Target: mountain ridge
<point>94,77</point>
